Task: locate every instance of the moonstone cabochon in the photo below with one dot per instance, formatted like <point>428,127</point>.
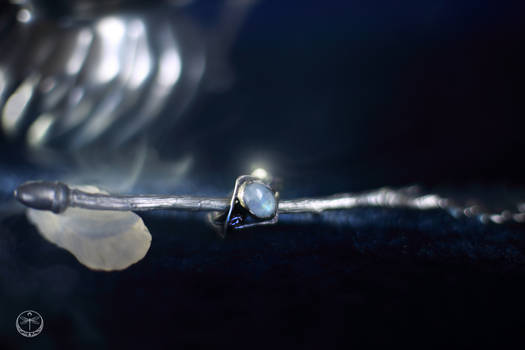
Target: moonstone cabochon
<point>100,240</point>
<point>259,199</point>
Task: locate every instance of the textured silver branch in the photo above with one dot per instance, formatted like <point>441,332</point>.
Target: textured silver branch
<point>57,197</point>
<point>384,197</point>
<point>143,203</point>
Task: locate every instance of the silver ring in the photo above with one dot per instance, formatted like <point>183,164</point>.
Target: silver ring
<point>254,202</point>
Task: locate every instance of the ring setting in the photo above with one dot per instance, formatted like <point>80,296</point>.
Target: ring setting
<point>254,202</point>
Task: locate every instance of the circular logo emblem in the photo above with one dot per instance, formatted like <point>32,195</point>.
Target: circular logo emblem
<point>29,323</point>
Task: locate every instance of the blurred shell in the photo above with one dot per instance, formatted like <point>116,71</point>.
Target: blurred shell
<point>72,84</point>
<point>101,240</point>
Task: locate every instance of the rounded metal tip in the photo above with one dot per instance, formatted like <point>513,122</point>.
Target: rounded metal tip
<point>43,195</point>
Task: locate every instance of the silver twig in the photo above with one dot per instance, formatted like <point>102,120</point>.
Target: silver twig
<point>57,197</point>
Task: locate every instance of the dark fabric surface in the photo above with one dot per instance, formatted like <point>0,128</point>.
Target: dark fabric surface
<point>336,97</point>
<point>408,277</point>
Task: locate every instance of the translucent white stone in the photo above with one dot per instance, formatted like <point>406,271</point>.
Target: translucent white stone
<point>259,200</point>
<point>101,240</point>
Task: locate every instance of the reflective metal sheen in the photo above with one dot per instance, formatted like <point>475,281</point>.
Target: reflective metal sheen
<point>57,197</point>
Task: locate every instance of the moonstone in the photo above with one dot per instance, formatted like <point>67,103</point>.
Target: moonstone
<point>259,200</point>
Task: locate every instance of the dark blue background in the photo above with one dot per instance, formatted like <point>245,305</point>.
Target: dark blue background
<point>335,96</point>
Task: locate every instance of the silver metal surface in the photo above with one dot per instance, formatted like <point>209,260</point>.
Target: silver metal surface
<point>231,216</point>
<point>106,75</point>
<point>57,197</point>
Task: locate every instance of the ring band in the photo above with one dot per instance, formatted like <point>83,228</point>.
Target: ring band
<point>254,202</point>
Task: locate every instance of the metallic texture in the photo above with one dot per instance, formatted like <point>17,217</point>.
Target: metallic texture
<point>106,75</point>
<point>234,216</point>
<point>53,196</point>
<point>50,196</point>
<point>57,197</point>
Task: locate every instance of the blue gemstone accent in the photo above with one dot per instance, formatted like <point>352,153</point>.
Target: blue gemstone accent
<point>259,200</point>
